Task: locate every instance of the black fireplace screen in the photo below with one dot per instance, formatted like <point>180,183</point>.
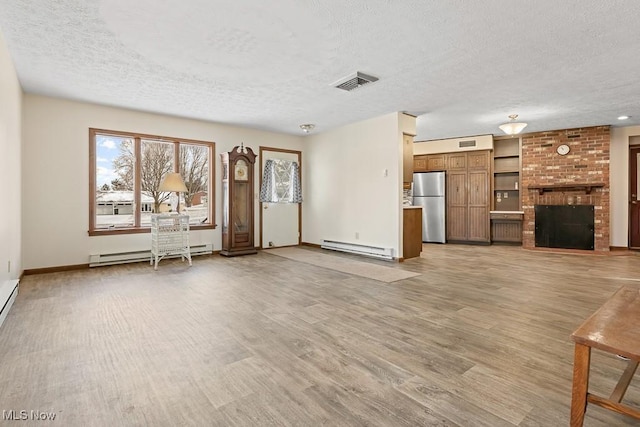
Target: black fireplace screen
<point>564,226</point>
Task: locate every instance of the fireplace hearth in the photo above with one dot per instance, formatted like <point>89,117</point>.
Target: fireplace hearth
<point>565,226</point>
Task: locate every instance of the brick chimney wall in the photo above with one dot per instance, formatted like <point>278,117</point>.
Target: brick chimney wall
<point>586,163</point>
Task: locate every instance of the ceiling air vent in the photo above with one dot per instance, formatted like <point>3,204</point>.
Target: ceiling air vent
<point>354,81</point>
<point>469,143</point>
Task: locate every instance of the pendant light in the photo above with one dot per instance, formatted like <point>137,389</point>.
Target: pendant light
<point>512,127</point>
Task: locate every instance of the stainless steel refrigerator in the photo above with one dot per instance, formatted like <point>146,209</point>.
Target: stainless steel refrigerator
<point>428,192</point>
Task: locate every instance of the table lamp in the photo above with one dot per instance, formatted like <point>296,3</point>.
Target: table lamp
<point>173,183</point>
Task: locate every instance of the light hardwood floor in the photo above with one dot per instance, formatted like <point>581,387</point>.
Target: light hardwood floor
<point>480,338</point>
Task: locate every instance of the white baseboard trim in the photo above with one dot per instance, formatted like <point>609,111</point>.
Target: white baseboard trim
<point>355,248</point>
<point>8,294</point>
<point>137,256</point>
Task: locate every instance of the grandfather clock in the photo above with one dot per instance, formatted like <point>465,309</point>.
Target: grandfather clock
<point>237,202</point>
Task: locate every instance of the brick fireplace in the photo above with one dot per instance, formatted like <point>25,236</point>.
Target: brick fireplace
<point>579,178</point>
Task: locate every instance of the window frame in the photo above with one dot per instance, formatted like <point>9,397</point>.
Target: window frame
<point>137,191</point>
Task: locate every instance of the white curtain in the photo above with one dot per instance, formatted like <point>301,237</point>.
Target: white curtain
<point>281,182</point>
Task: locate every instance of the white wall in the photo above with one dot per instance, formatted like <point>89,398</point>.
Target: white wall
<point>619,182</point>
<point>56,173</point>
<point>407,123</point>
<point>483,142</point>
<point>345,187</point>
<point>10,168</point>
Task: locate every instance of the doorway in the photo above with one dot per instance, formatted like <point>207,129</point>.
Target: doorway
<point>280,223</point>
<point>634,197</point>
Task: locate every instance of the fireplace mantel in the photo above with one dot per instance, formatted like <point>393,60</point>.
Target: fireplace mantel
<point>587,187</point>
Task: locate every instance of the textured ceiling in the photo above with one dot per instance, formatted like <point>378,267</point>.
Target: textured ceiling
<point>461,66</point>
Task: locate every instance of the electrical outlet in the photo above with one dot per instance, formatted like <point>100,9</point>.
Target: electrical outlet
<point>506,195</point>
<point>357,235</point>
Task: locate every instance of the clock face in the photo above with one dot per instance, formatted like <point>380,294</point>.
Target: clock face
<point>241,171</point>
<point>563,149</point>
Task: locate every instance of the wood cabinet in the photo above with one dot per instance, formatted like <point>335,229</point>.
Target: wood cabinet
<point>457,212</point>
<point>420,163</point>
<point>468,191</point>
<point>506,216</point>
<point>478,160</point>
<point>506,227</point>
<point>429,162</point>
<point>411,232</point>
<point>478,205</point>
<point>468,197</point>
<point>456,161</point>
<point>436,162</point>
<point>407,158</point>
<point>237,202</point>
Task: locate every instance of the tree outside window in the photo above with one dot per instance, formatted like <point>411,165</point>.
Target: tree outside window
<point>126,172</point>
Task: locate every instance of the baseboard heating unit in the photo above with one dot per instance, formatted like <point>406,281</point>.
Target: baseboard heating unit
<point>372,251</point>
<point>137,256</point>
<point>8,294</point>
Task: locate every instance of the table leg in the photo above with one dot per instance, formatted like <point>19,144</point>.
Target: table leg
<point>581,361</point>
<point>625,380</point>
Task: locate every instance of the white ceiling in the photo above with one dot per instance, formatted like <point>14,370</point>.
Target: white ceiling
<point>461,66</point>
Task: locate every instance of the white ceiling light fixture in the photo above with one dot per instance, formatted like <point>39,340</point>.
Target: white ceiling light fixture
<point>512,127</point>
<point>306,128</point>
<point>623,117</point>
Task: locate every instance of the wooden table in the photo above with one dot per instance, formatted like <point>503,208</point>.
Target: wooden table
<point>614,328</point>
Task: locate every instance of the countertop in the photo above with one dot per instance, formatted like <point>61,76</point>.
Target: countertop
<point>412,207</point>
<point>507,212</point>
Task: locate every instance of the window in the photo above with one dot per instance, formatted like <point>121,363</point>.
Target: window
<point>281,182</point>
<point>126,170</point>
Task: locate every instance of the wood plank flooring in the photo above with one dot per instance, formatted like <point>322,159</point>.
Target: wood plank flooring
<point>480,338</point>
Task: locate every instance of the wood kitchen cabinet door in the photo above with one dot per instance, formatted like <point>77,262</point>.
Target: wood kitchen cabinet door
<point>435,162</point>
<point>478,160</point>
<point>457,161</point>
<point>420,163</point>
<point>479,230</point>
<point>412,232</point>
<point>478,224</point>
<point>479,188</point>
<point>478,181</point>
<point>457,229</point>
<point>407,158</point>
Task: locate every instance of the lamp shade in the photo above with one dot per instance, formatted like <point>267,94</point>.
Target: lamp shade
<point>512,128</point>
<point>173,182</point>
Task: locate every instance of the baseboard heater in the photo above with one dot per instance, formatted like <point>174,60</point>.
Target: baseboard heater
<point>137,256</point>
<point>372,251</point>
<point>8,294</point>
